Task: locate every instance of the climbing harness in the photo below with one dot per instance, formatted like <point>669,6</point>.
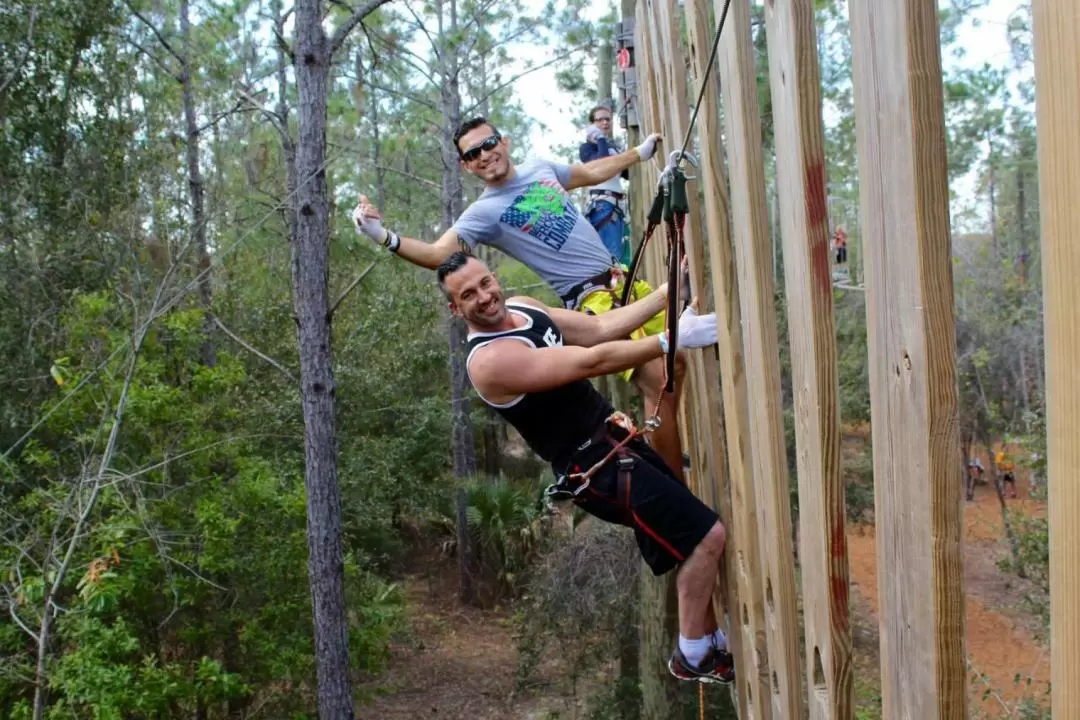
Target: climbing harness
<point>569,486</point>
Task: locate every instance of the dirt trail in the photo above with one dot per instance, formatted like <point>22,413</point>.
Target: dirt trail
<point>458,663</point>
<point>999,642</point>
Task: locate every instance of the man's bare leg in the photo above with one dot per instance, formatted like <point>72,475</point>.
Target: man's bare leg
<point>649,379</point>
<point>696,581</point>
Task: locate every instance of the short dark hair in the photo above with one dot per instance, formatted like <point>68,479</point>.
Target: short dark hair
<point>592,113</point>
<point>451,264</point>
<point>470,125</point>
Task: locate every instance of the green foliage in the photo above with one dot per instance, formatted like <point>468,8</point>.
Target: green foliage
<point>169,602</point>
<point>506,526</point>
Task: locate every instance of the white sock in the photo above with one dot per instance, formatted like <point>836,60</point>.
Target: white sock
<point>695,650</point>
<point>719,639</point>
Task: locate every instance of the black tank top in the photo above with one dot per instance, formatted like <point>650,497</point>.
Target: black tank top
<point>553,422</point>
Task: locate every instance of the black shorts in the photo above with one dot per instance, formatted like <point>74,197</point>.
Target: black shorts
<point>668,520</point>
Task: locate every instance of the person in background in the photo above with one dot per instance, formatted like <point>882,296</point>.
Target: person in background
<point>606,210</point>
<point>975,475</point>
<point>840,244</point>
<point>1007,468</point>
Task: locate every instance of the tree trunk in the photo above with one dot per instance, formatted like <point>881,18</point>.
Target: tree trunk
<point>659,628</point>
<point>605,60</point>
<point>993,202</point>
<point>288,149</point>
<point>326,565</point>
<point>453,202</point>
<point>195,185</point>
<point>1021,223</point>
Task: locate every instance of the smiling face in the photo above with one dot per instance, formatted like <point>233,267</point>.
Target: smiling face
<point>475,295</point>
<point>485,156</point>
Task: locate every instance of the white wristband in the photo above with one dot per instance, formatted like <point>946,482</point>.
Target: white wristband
<point>663,342</point>
<point>393,241</point>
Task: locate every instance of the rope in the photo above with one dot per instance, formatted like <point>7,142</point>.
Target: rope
<point>704,80</point>
<point>623,420</point>
<point>701,700</point>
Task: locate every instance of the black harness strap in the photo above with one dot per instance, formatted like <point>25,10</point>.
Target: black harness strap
<point>676,207</point>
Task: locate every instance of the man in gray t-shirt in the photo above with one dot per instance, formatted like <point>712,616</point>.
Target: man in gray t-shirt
<point>526,212</point>
<point>532,218</point>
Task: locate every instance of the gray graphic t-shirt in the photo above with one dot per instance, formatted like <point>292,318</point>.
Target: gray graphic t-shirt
<point>533,219</point>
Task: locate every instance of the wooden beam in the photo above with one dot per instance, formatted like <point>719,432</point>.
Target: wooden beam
<point>1057,94</point>
<point>753,256</point>
<point>904,207</point>
<point>658,597</point>
<point>742,558</point>
<point>700,394</point>
<point>703,389</point>
<point>804,224</point>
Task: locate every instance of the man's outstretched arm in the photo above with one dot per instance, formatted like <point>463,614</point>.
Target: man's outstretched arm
<point>507,369</point>
<point>590,330</point>
<point>605,168</point>
<point>368,221</point>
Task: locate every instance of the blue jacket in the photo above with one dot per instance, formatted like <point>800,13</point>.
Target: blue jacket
<point>594,151</point>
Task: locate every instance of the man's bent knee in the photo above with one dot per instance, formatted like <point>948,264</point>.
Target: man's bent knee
<point>713,542</point>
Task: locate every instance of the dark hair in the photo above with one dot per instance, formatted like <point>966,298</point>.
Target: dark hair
<point>453,263</point>
<point>592,113</point>
<point>469,125</point>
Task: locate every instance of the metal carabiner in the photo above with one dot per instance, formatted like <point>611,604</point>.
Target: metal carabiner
<point>676,157</point>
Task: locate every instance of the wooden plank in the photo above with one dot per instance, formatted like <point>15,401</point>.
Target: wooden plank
<point>1057,88</point>
<point>703,390</point>
<point>753,256</point>
<point>700,391</point>
<point>904,208</point>
<point>804,224</point>
<point>658,631</point>
<point>742,558</point>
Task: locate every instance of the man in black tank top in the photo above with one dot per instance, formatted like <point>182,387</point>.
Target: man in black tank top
<point>532,363</point>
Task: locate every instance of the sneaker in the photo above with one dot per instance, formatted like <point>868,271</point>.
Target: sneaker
<point>717,667</point>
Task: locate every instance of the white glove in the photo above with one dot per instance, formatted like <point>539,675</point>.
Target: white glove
<point>368,221</point>
<point>646,149</point>
<point>695,331</point>
<point>593,134</point>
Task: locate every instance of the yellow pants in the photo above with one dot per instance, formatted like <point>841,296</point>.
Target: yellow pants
<point>600,301</point>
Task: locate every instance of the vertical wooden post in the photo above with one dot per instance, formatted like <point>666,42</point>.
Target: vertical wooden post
<point>742,558</point>
<point>904,205</point>
<point>702,390</point>
<point>804,223</point>
<point>754,261</point>
<point>658,689</point>
<point>1057,88</point>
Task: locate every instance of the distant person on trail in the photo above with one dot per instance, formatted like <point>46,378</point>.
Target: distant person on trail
<point>975,474</point>
<point>840,244</point>
<point>1006,467</point>
<point>606,210</point>
<point>526,212</point>
<point>532,364</point>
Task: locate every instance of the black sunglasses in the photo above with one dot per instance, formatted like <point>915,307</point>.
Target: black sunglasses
<point>489,143</point>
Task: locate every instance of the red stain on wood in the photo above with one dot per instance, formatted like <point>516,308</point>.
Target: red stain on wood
<point>817,216</point>
<point>838,580</point>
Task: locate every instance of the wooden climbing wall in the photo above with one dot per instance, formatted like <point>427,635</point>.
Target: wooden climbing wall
<point>1057,88</point>
<point>740,465</point>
